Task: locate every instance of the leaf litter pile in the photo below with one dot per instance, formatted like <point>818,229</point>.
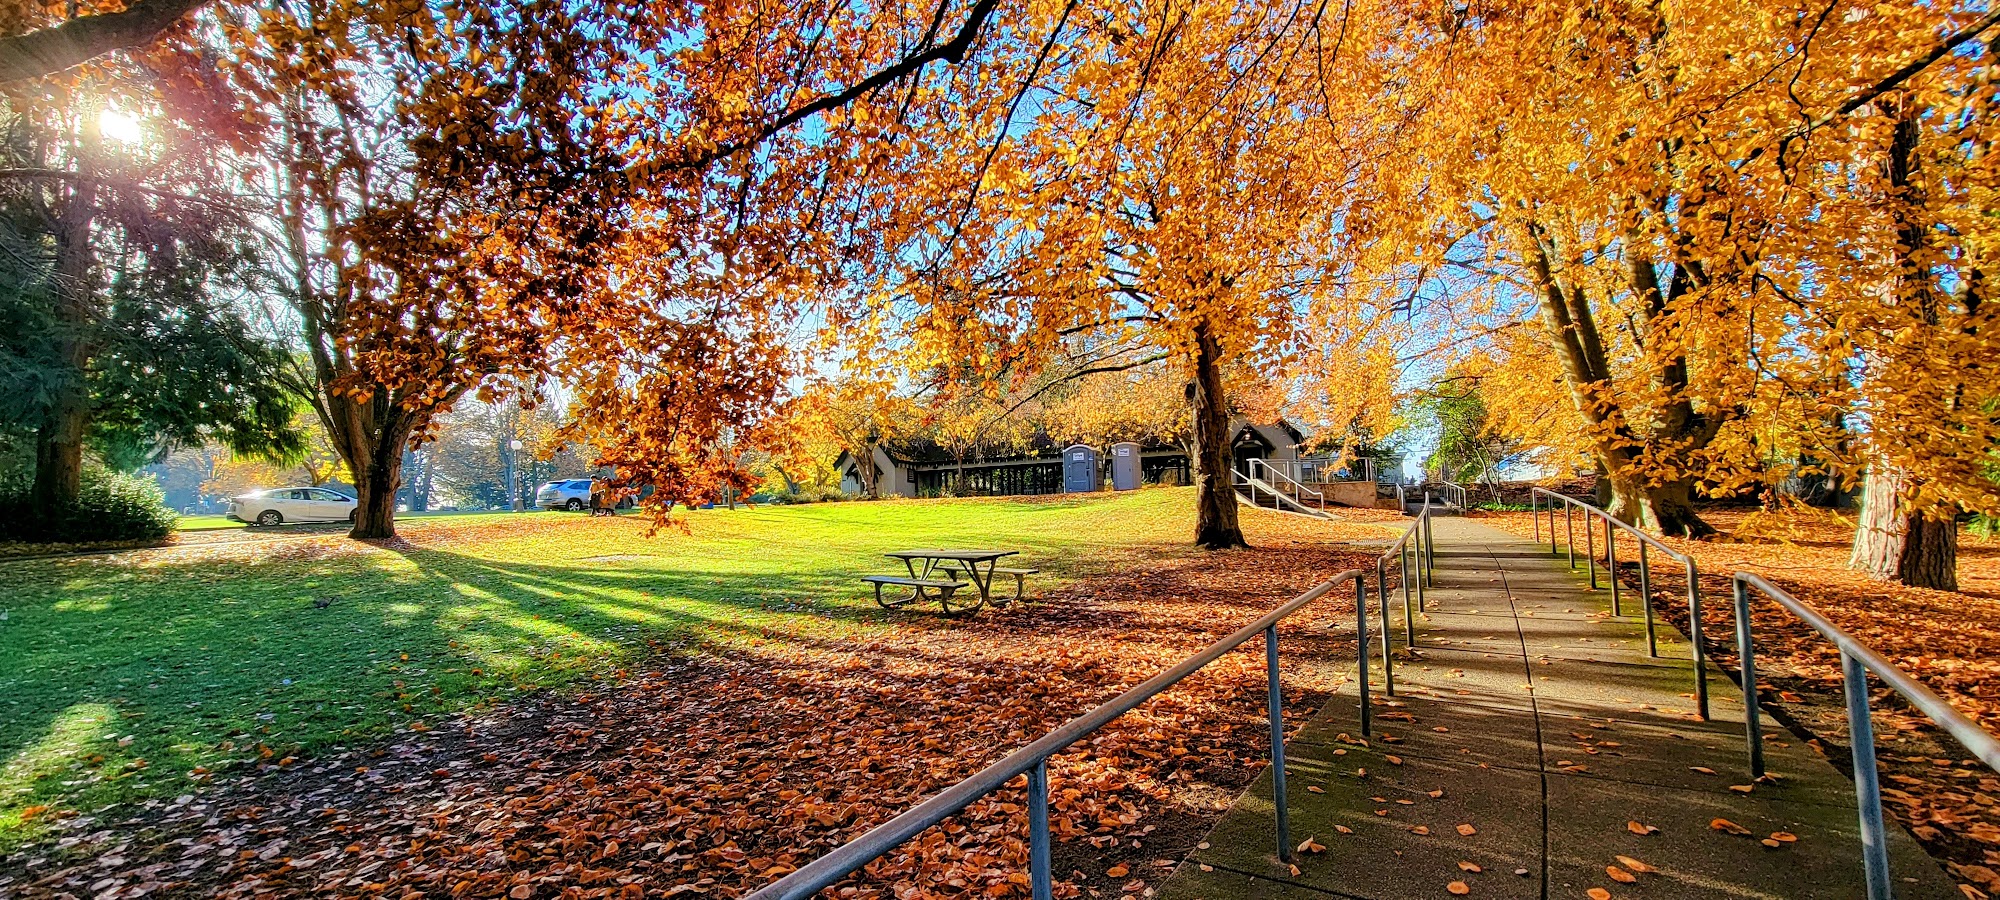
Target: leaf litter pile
<point>1949,641</point>
<point>713,770</point>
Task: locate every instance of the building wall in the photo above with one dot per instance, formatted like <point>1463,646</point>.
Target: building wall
<point>891,478</point>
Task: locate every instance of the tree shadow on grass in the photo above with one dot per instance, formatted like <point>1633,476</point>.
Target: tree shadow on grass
<point>185,667</point>
<point>185,671</point>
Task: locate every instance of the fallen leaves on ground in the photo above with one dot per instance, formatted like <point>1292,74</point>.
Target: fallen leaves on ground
<point>1635,865</point>
<point>714,772</point>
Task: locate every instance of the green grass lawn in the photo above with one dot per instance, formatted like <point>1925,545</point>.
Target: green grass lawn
<point>125,679</point>
<point>206,523</point>
<point>218,523</point>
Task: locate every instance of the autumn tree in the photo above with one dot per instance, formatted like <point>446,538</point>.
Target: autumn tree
<point>1138,178</point>
<point>1661,209</point>
<point>1147,405</point>
<point>1928,389</point>
<point>855,414</point>
<point>441,202</point>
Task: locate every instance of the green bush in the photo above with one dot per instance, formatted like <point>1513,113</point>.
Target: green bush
<point>807,493</point>
<point>112,506</point>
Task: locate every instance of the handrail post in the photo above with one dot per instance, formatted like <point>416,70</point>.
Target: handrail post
<point>1551,507</point>
<point>1417,560</point>
<point>1388,662</point>
<point>1646,602</point>
<point>1694,636</point>
<point>1277,710</point>
<point>1534,513</point>
<point>1409,615</point>
<point>1867,781</point>
<point>1569,532</point>
<point>1361,648</point>
<point>1611,563</point>
<point>1040,882</point>
<point>1746,661</point>
<point>1430,546</point>
<point>1590,550</point>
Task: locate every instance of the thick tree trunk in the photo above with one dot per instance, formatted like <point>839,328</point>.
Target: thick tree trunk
<point>1215,525</point>
<point>1666,509</point>
<point>59,440</point>
<point>1607,494</point>
<point>59,453</point>
<point>1670,511</point>
<point>1571,323</point>
<point>375,485</point>
<point>1898,546</point>
<point>1894,541</point>
<point>372,435</point>
<point>865,469</point>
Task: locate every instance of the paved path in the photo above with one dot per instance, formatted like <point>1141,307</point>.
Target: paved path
<point>1532,715</point>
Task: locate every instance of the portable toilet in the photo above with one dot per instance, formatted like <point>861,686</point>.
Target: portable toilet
<point>1125,473</point>
<point>1082,470</point>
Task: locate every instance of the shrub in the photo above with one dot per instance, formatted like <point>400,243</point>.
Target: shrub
<point>807,493</point>
<point>112,506</point>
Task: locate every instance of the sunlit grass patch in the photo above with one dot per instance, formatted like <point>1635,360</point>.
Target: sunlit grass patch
<point>212,664</point>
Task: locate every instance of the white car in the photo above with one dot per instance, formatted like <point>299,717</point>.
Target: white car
<point>570,493</point>
<point>294,504</point>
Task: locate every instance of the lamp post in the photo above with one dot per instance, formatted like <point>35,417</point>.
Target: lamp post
<point>513,490</point>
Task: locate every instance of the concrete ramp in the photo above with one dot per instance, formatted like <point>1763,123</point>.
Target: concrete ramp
<point>1534,750</point>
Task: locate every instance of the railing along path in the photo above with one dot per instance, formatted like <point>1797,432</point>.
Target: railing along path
<point>1414,555</point>
<point>1571,506</point>
<point>1032,760</point>
<point>1857,661</point>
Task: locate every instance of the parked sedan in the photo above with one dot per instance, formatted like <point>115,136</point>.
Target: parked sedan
<point>295,504</point>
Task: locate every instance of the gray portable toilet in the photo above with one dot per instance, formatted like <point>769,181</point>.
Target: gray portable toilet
<point>1082,470</point>
<point>1125,473</point>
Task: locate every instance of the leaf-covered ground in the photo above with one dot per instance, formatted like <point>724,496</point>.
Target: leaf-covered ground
<point>1950,641</point>
<point>734,707</point>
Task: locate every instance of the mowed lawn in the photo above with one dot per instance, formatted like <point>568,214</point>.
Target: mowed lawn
<point>148,674</point>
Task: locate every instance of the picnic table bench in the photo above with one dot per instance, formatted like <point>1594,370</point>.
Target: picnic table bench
<point>1020,578</point>
<point>938,577</point>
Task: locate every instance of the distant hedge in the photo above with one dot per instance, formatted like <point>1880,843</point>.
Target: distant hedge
<point>111,507</point>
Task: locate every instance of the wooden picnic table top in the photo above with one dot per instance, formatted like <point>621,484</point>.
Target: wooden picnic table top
<point>960,555</point>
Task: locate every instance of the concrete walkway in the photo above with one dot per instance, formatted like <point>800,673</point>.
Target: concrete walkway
<point>1534,750</point>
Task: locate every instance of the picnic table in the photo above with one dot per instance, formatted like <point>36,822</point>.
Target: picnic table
<point>937,579</point>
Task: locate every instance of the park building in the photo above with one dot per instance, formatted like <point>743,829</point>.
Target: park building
<point>920,467</point>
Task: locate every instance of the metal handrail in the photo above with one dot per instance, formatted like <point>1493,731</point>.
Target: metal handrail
<point>1856,661</point>
<point>1256,464</point>
<point>1570,506</point>
<point>1321,469</point>
<point>1413,546</point>
<point>1453,488</point>
<point>1032,761</point>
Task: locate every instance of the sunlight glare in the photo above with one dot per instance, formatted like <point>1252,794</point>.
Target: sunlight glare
<point>120,127</point>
